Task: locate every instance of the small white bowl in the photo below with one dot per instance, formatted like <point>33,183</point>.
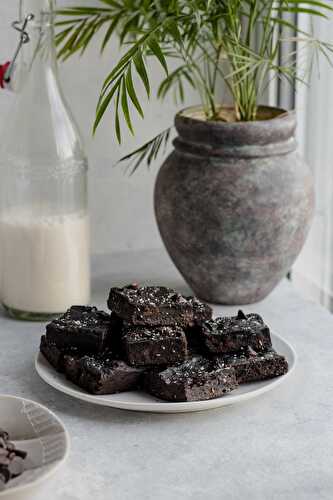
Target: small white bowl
<point>35,429</point>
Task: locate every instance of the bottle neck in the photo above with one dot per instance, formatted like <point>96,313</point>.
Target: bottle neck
<point>35,7</point>
<point>40,50</point>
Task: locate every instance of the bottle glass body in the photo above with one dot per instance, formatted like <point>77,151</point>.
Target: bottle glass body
<point>44,222</point>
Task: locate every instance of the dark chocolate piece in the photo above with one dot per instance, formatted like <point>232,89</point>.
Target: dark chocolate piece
<point>158,345</point>
<point>83,327</point>
<point>230,334</point>
<point>250,366</point>
<point>103,375</point>
<point>151,305</point>
<point>4,435</point>
<point>11,459</point>
<point>194,380</point>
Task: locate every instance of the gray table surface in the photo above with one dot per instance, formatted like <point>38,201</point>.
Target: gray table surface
<point>279,446</point>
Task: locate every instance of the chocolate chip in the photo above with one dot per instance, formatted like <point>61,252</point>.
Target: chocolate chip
<point>11,459</point>
<point>21,454</point>
<point>4,435</point>
<point>5,474</point>
<point>241,315</point>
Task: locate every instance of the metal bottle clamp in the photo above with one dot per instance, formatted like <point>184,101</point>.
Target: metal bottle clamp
<point>24,38</point>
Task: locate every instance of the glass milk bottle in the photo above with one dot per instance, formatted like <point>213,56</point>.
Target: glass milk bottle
<point>44,223</point>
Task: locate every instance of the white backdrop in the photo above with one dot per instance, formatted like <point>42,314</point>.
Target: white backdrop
<point>313,272</point>
<point>122,207</point>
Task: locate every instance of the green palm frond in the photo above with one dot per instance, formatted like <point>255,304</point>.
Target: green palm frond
<point>148,152</point>
<point>212,41</point>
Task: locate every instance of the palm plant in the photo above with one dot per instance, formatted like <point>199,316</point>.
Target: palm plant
<point>213,41</point>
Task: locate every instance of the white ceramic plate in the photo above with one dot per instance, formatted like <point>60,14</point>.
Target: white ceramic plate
<point>36,430</point>
<point>140,401</point>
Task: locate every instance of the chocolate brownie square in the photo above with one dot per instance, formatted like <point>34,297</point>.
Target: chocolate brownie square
<point>151,305</point>
<point>231,334</point>
<point>157,345</point>
<point>104,375</point>
<point>72,367</point>
<point>201,311</point>
<point>52,353</point>
<point>196,379</point>
<point>250,366</point>
<point>55,355</point>
<point>83,327</point>
<point>116,323</point>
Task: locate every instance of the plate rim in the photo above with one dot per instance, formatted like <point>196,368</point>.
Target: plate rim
<point>163,406</point>
<point>57,464</point>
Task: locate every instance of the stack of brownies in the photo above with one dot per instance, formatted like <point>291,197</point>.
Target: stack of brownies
<point>157,340</point>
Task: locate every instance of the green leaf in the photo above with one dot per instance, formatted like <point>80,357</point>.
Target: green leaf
<point>67,47</point>
<point>59,38</point>
<point>110,31</point>
<point>103,105</point>
<point>112,3</point>
<point>116,120</point>
<point>173,79</point>
<point>299,10</point>
<point>124,105</point>
<point>141,70</point>
<point>181,90</point>
<point>123,62</point>
<point>149,151</point>
<point>86,39</point>
<point>131,90</point>
<point>315,3</point>
<point>172,27</point>
<point>189,78</point>
<point>129,27</point>
<point>77,11</point>
<point>69,21</point>
<point>155,48</point>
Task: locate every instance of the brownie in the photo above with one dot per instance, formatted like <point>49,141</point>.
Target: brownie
<point>55,355</point>
<point>72,366</point>
<point>116,323</point>
<point>151,305</point>
<point>52,353</point>
<point>83,327</point>
<point>115,343</point>
<point>196,379</point>
<point>104,375</point>
<point>230,334</point>
<point>250,366</point>
<point>157,345</point>
<point>201,311</point>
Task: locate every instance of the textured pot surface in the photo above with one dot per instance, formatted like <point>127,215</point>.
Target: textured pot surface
<point>233,203</point>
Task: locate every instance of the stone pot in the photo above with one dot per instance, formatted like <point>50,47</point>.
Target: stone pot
<point>234,203</point>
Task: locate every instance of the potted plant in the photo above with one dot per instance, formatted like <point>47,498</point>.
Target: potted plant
<point>234,200</point>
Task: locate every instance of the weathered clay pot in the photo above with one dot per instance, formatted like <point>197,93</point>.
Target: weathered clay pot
<point>233,203</point>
